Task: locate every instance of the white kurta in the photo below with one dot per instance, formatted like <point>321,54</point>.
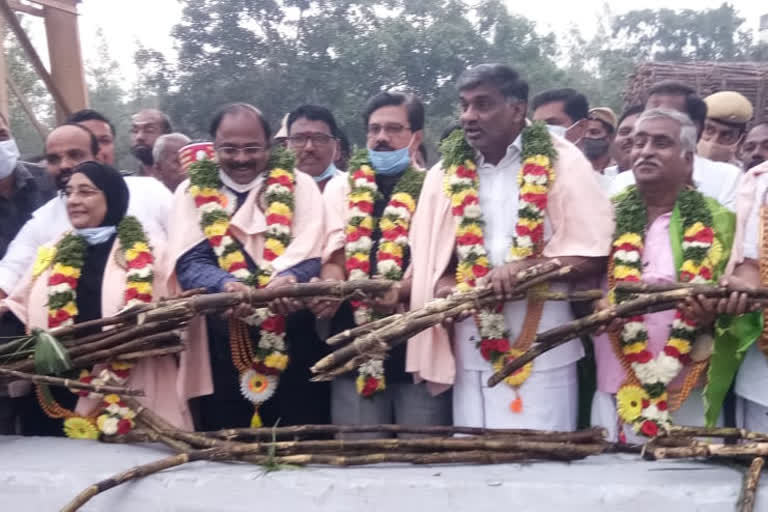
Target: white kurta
<point>752,380</point>
<point>718,180</point>
<point>150,202</point>
<point>550,395</point>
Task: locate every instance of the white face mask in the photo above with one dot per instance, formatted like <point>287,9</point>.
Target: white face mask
<point>9,155</point>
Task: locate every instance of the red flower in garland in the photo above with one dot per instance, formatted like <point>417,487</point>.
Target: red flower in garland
<point>283,180</point>
<point>649,428</point>
<point>124,426</point>
<point>56,279</point>
<point>371,386</point>
<point>58,318</point>
<point>355,264</point>
<point>469,239</point>
<point>358,233</point>
<point>141,260</point>
<point>274,323</point>
<point>363,206</point>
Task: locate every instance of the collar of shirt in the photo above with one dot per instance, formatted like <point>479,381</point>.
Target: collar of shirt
<point>512,154</point>
<point>23,178</point>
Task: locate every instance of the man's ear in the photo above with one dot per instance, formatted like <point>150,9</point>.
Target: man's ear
<point>416,139</point>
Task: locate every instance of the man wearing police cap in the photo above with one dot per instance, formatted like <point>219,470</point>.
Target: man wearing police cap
<point>728,113</point>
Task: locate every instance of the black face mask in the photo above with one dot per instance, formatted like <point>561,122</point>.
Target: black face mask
<point>595,148</point>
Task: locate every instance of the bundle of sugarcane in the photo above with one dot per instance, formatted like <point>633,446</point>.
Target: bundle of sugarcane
<point>681,442</point>
<point>284,446</point>
<point>644,299</point>
<point>152,329</point>
<point>375,339</point>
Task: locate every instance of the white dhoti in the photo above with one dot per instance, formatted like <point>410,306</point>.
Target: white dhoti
<point>549,398</point>
<point>690,413</point>
<point>751,415</point>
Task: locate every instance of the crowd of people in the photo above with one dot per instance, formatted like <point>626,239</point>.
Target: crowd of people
<point>668,191</point>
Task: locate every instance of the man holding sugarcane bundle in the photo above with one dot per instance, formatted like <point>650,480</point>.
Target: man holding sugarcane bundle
<point>508,195</point>
<point>651,368</point>
<point>368,216</point>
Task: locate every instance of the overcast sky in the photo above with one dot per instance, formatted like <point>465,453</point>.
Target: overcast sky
<point>150,21</point>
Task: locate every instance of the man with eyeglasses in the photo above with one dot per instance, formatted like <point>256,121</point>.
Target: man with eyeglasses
<point>382,392</point>
<point>224,395</point>
<point>314,137</point>
<point>65,147</point>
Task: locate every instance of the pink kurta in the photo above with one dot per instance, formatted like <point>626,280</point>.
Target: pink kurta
<point>582,225</point>
<point>156,376</point>
<point>248,226</point>
<point>658,267</point>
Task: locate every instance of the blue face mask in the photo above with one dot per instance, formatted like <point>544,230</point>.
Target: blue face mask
<point>99,235</point>
<point>329,173</point>
<point>388,163</point>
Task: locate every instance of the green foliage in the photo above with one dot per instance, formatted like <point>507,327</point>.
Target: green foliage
<point>456,150</point>
<point>537,141</point>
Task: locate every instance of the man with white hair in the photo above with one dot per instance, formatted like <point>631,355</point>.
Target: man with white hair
<point>167,166</point>
<point>649,367</point>
<point>718,180</point>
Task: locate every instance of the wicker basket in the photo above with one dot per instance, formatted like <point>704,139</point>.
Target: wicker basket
<point>748,78</point>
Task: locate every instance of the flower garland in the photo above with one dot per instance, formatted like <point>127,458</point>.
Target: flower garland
<point>394,225</point>
<point>461,186</point>
<point>68,258</point>
<point>642,401</point>
<point>259,369</point>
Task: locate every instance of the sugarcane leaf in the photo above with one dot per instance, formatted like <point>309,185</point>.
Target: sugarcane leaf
<point>733,337</point>
<point>51,358</point>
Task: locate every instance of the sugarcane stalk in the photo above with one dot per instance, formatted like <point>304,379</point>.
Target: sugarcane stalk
<point>552,338</point>
<point>592,435</point>
<point>707,290</point>
<point>475,457</point>
<point>69,383</point>
<point>749,487</point>
<point>722,432</point>
<point>708,450</point>
<point>154,352</point>
<point>432,314</point>
<point>142,471</point>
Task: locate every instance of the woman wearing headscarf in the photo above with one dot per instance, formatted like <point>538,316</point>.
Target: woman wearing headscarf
<point>104,265</point>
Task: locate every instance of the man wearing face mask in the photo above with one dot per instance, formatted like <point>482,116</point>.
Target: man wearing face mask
<point>564,111</point>
<point>314,137</point>
<point>601,130</point>
<point>23,188</point>
<point>362,242</point>
<point>728,113</point>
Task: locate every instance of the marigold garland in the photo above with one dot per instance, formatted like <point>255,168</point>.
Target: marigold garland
<point>643,399</point>
<point>461,185</point>
<point>394,225</point>
<point>68,258</point>
<point>215,206</point>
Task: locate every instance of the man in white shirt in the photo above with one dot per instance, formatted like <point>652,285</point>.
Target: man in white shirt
<point>67,146</point>
<point>717,180</point>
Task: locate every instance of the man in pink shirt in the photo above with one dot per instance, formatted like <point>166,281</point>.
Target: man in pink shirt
<point>670,213</point>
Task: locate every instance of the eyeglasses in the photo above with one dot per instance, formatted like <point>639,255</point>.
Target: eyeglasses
<point>388,129</point>
<point>232,151</point>
<point>318,139</point>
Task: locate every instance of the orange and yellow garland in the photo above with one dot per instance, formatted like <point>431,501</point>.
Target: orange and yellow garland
<point>461,185</point>
<point>261,366</point>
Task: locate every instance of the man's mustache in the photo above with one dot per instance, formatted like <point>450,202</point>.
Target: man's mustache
<point>383,146</point>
